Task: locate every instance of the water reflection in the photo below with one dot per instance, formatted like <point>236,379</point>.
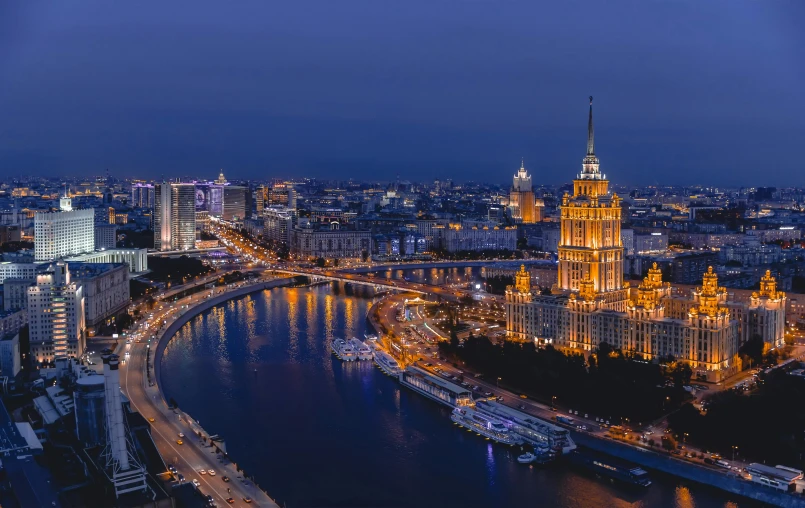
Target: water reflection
<point>318,432</point>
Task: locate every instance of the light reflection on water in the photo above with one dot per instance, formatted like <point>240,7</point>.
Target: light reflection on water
<point>319,432</point>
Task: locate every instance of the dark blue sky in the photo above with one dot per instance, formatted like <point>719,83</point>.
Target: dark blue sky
<point>685,91</point>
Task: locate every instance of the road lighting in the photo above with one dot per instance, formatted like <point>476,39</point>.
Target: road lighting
<point>498,382</point>
<point>734,448</point>
<point>553,401</point>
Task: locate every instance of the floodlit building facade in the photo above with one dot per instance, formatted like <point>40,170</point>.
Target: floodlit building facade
<point>63,233</point>
<point>175,216</point>
<point>590,303</point>
<point>56,315</point>
<point>522,203</point>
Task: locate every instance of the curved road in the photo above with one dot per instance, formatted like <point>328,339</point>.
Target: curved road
<point>191,456</point>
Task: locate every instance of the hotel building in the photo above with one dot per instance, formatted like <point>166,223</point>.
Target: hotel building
<point>590,303</point>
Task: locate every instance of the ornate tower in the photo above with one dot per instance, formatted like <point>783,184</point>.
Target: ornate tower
<point>521,198</point>
<point>590,247</point>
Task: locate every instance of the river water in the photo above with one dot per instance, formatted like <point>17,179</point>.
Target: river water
<point>314,431</point>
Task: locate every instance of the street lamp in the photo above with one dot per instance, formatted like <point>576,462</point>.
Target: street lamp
<point>498,382</point>
<point>553,400</point>
<point>734,448</point>
<point>684,437</point>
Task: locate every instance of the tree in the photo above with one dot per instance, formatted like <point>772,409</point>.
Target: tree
<point>321,262</point>
<point>681,374</point>
<point>752,350</point>
<point>668,442</point>
<point>364,255</point>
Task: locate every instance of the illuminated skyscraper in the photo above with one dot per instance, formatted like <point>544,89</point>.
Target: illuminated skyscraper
<point>56,315</point>
<point>175,216</point>
<point>521,198</point>
<point>590,248</point>
<point>591,304</point>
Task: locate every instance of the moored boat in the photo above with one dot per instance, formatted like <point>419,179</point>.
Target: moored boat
<point>343,350</point>
<point>361,349</point>
<point>486,426</point>
<point>387,364</point>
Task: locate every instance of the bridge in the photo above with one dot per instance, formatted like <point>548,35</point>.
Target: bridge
<point>368,280</point>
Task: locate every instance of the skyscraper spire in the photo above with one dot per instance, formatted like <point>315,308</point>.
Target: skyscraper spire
<point>590,133</point>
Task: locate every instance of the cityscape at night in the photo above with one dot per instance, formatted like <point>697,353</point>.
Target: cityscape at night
<point>386,255</point>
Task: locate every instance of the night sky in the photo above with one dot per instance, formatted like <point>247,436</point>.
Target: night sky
<point>686,92</point>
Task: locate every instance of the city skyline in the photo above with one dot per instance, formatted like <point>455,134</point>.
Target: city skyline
<point>282,92</point>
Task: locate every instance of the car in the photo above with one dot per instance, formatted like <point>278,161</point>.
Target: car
<point>211,472</point>
<point>152,420</point>
<point>230,500</point>
<point>181,436</point>
<point>247,500</point>
<point>523,396</point>
<point>179,442</point>
<point>180,477</point>
<point>226,479</point>
<point>202,471</point>
<point>488,394</point>
<point>196,483</point>
<point>521,406</point>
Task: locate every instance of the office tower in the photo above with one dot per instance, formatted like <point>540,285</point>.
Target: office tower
<point>283,195</point>
<point>183,219</point>
<point>63,233</point>
<point>56,315</point>
<point>521,198</point>
<point>105,236</point>
<point>260,200</point>
<point>175,216</point>
<point>162,217</point>
<point>142,195</point>
<point>235,198</point>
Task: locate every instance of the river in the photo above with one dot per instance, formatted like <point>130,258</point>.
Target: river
<point>314,431</point>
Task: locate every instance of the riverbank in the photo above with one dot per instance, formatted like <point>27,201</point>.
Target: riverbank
<point>645,457</point>
<point>689,471</point>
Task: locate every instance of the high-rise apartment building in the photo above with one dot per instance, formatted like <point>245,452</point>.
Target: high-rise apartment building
<point>278,224</point>
<point>64,233</point>
<point>175,216</point>
<point>56,315</point>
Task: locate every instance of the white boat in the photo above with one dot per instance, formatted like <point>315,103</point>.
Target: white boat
<point>363,351</point>
<point>526,458</point>
<point>533,430</point>
<point>343,350</point>
<point>387,364</point>
<point>484,425</point>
